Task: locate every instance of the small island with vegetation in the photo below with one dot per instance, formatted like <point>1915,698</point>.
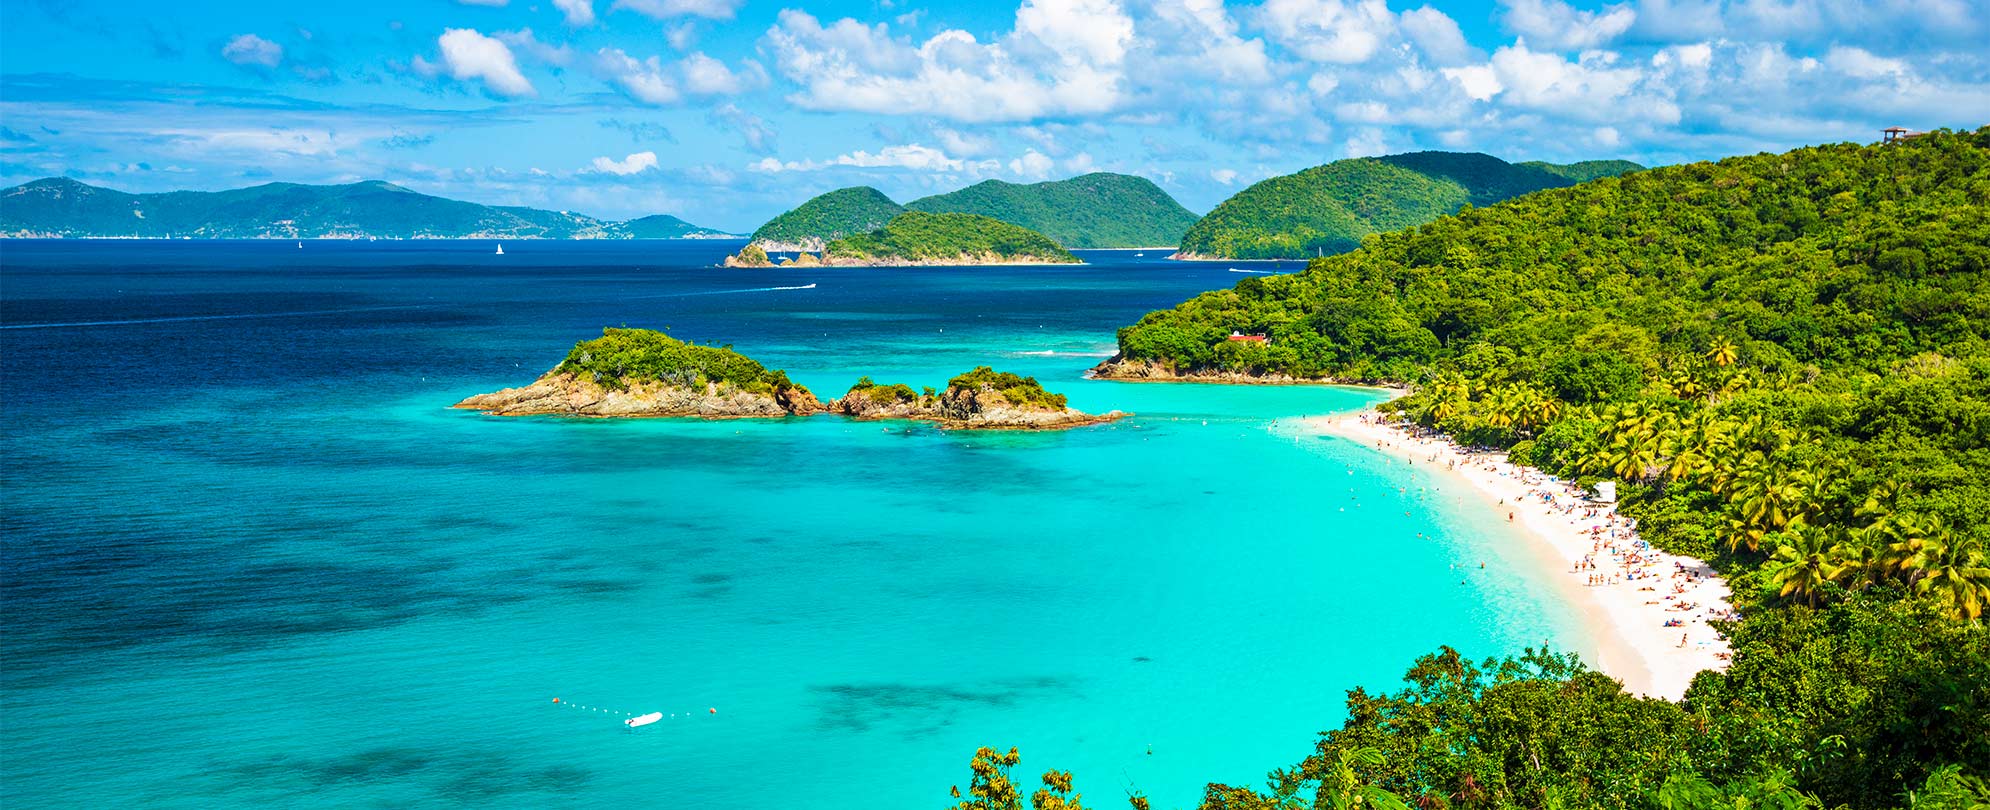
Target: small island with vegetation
<point>646,373</point>
<point>642,372</point>
<point>980,399</point>
<point>918,238</point>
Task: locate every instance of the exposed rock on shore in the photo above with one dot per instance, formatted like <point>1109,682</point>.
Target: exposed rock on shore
<point>565,394</point>
<point>1153,371</point>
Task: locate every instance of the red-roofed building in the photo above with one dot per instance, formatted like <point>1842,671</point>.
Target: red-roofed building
<point>1249,338</point>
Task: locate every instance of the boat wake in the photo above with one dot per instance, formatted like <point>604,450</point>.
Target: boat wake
<point>1053,353</point>
<point>808,286</point>
<point>1267,272</point>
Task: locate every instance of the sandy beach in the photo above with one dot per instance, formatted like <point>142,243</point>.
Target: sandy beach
<point>1650,609</point>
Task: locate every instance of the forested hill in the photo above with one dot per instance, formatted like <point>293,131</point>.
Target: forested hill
<point>919,237</point>
<point>59,206</point>
<point>1784,360</point>
<point>1328,209</point>
<point>826,218</point>
<point>1098,210</point>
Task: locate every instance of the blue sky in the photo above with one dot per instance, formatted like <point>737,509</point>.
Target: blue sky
<point>726,112</point>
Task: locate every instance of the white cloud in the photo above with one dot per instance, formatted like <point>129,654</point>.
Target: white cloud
<point>525,42</point>
<point>471,55</point>
<point>643,80</point>
<point>579,12</point>
<point>1480,82</point>
<point>1562,27</point>
<point>1329,30</point>
<point>490,3</point>
<point>1223,176</point>
<point>912,156</point>
<point>963,144</point>
<point>1864,64</point>
<point>633,164</point>
<point>1438,35</point>
<point>1199,37</point>
<point>1032,164</point>
<point>249,49</point>
<point>666,9</point>
<point>1063,58</point>
<point>707,76</point>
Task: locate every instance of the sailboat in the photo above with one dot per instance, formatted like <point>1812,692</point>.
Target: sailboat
<point>300,245</point>
<point>500,249</point>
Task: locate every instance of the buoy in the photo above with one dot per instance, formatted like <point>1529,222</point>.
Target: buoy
<point>713,710</point>
<point>556,700</point>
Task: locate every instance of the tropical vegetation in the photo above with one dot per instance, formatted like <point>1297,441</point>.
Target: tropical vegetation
<point>1329,209</point>
<point>1017,389</point>
<point>1782,359</point>
<point>917,236</point>
<point>1098,210</point>
<point>622,356</point>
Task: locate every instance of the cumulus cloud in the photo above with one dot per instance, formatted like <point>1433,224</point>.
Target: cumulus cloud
<point>642,79</point>
<point>1062,58</point>
<point>1032,164</point>
<point>524,42</point>
<point>1438,36</point>
<point>578,12</point>
<point>1223,176</point>
<point>467,55</point>
<point>1329,30</point>
<point>754,130</point>
<point>704,75</point>
<point>666,9</point>
<point>1559,25</point>
<point>911,156</point>
<point>250,50</point>
<point>633,164</point>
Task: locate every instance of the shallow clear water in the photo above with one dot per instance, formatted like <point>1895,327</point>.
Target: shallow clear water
<point>252,557</point>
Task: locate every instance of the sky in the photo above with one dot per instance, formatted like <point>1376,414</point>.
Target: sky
<point>727,112</point>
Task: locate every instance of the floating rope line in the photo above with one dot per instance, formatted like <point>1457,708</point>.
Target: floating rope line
<point>631,719</point>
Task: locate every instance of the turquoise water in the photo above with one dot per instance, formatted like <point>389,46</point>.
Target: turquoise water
<point>252,557</point>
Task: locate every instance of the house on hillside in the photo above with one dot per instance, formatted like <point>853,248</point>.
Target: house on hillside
<point>1241,337</point>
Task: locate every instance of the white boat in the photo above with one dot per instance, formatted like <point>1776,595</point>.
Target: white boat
<point>300,245</point>
<point>644,720</point>
<point>500,249</point>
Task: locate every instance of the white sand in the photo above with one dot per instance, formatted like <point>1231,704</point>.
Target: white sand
<point>1634,645</point>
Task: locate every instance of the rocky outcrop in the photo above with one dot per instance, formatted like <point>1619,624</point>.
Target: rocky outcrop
<point>563,394</point>
<point>1125,370</point>
<point>962,408</point>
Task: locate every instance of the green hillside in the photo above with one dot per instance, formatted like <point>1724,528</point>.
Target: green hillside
<point>1098,210</point>
<point>63,207</point>
<point>1585,170</point>
<point>665,226</point>
<point>916,236</point>
<point>1784,361</point>
<point>1328,209</point>
<point>828,217</point>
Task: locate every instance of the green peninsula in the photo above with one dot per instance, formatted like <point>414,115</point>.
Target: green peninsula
<point>1783,362</point>
<point>826,218</point>
<point>1328,209</point>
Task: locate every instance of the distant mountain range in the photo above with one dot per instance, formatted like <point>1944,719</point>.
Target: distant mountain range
<point>1328,209</point>
<point>61,207</point>
<point>1099,210</point>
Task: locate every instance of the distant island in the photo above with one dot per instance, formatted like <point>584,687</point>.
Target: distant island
<point>917,238</point>
<point>61,207</point>
<point>646,373</point>
<point>1328,209</point>
<point>1098,210</point>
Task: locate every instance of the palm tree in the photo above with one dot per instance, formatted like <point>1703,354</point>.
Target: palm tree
<point>1345,789</point>
<point>1804,564</point>
<point>1956,575</point>
<point>1722,353</point>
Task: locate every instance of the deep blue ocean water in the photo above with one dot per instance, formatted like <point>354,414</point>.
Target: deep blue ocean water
<point>251,556</point>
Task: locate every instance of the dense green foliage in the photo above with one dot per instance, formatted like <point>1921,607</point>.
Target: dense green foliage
<point>1328,209</point>
<point>916,235</point>
<point>1098,210</point>
<point>1019,390</point>
<point>1783,360</point>
<point>623,356</point>
<point>63,207</point>
<point>888,394</point>
<point>831,216</point>
<point>1583,171</point>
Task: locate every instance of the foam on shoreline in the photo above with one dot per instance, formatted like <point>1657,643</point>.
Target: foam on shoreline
<point>1627,621</point>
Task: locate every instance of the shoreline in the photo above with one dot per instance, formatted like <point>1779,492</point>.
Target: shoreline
<point>1626,622</point>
